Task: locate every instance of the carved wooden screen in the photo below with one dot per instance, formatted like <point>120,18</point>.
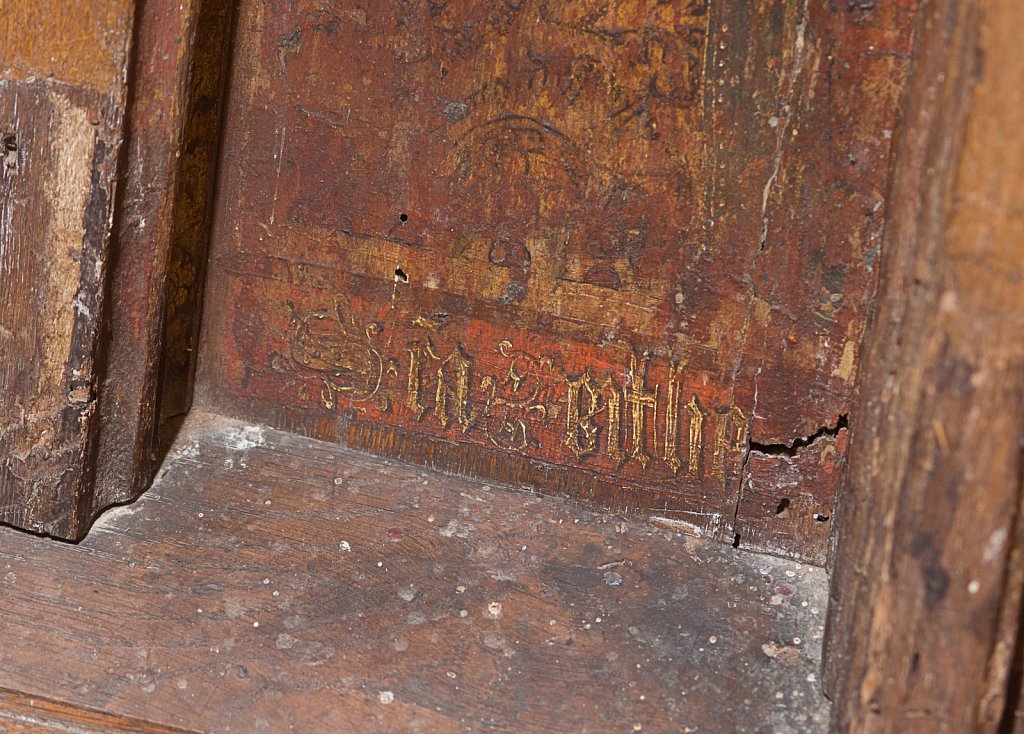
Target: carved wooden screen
<point>622,251</point>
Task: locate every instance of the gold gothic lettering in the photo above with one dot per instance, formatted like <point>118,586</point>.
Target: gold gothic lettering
<point>671,452</point>
<point>451,385</point>
<point>581,406</point>
<point>639,400</point>
<point>697,414</point>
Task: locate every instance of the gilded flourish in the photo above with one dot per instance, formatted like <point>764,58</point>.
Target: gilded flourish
<point>341,353</point>
<point>520,398</point>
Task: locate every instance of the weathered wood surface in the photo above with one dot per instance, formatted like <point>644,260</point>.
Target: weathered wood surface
<point>606,247</point>
<point>26,714</point>
<point>62,96</point>
<point>173,131</point>
<point>269,582</point>
<point>99,313</point>
<point>926,612</point>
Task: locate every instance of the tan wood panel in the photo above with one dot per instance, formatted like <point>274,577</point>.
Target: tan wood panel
<point>926,619</point>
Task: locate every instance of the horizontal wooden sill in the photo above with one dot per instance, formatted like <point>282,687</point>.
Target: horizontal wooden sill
<point>269,582</point>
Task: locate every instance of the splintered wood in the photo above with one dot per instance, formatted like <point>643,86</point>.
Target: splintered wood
<point>603,249</point>
<point>86,327</point>
<point>61,118</point>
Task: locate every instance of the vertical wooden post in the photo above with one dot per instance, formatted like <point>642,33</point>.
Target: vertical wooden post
<point>109,126</point>
<point>926,588</point>
<point>63,92</point>
<point>174,117</point>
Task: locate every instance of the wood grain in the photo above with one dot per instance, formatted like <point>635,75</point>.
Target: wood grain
<point>101,263</point>
<point>174,115</point>
<point>926,610</point>
<point>62,95</point>
<point>269,582</point>
<point>26,714</point>
<point>622,244</point>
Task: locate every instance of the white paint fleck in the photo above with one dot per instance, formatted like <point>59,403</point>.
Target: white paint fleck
<point>995,545</point>
<point>456,529</point>
<point>386,697</point>
<point>345,546</point>
<point>244,437</point>
<point>974,587</point>
<point>189,451</point>
<point>494,609</point>
<point>612,579</point>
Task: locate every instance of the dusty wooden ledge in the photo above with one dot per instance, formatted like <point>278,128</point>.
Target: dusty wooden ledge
<point>269,582</point>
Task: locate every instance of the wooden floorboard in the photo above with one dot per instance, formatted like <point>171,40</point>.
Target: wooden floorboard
<point>272,583</point>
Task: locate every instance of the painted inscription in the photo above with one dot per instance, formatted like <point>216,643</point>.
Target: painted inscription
<point>514,400</point>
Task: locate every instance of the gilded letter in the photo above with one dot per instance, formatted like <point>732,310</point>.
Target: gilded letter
<point>613,400</point>
<point>697,414</point>
<point>581,405</point>
<point>417,355</point>
<point>453,382</point>
<point>639,400</point>
<point>671,452</point>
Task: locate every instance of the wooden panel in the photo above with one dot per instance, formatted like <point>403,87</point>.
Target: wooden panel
<point>163,226</point>
<point>56,194</point>
<point>62,91</point>
<point>86,326</point>
<point>268,582</point>
<point>926,612</point>
<point>25,714</point>
<point>620,244</point>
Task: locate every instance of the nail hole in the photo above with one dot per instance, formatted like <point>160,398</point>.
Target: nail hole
<point>403,217</point>
<point>820,518</point>
<point>783,509</point>
<point>736,540</point>
<point>400,276</point>
<point>10,150</point>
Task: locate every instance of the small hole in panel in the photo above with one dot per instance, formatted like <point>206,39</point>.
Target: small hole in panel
<point>783,507</point>
<point>403,217</point>
<point>736,540</point>
<point>9,150</point>
<point>818,517</point>
<point>400,276</point>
